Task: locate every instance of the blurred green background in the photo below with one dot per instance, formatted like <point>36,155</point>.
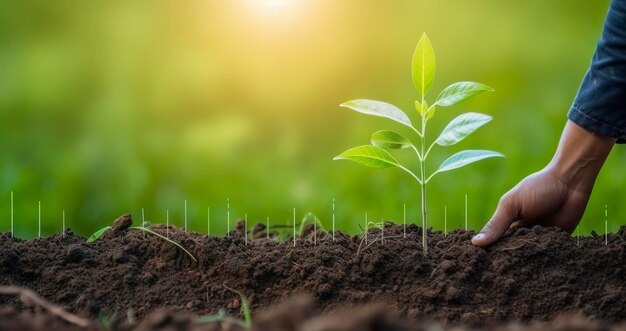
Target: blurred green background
<point>113,106</point>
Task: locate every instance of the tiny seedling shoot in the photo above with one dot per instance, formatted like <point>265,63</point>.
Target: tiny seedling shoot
<point>376,155</point>
<point>145,229</point>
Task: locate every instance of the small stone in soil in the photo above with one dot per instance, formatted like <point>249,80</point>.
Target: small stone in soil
<point>122,223</point>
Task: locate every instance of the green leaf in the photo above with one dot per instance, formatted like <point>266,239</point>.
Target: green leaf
<point>461,127</point>
<point>459,92</point>
<point>390,140</point>
<point>423,68</point>
<point>370,156</point>
<point>97,234</point>
<point>378,108</point>
<point>463,158</point>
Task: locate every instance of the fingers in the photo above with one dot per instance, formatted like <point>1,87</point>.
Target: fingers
<point>505,215</point>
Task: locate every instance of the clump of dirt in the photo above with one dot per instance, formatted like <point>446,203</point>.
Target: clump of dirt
<point>295,314</point>
<point>530,275</point>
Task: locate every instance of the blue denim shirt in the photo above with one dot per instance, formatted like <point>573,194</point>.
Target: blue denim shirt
<point>600,105</point>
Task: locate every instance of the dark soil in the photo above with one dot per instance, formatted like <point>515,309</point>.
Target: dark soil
<point>530,275</point>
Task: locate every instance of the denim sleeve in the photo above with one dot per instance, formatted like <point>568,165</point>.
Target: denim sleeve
<point>600,105</point>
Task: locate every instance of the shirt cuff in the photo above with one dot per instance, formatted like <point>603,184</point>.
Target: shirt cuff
<point>594,125</point>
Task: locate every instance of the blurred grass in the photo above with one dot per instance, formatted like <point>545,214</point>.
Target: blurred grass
<point>111,106</point>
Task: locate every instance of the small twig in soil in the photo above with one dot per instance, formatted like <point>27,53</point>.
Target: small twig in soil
<point>29,297</point>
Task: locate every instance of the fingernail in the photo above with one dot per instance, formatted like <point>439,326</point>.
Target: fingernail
<point>479,236</point>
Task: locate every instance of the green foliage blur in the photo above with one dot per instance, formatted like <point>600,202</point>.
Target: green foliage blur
<point>108,107</point>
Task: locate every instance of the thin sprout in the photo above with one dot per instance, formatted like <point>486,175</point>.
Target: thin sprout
<point>404,219</point>
<point>333,219</point>
<point>39,221</point>
<point>166,239</point>
<point>11,214</point>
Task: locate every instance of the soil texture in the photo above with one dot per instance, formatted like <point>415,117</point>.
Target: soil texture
<point>531,275</point>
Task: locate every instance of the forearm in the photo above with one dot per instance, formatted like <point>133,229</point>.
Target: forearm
<point>580,157</point>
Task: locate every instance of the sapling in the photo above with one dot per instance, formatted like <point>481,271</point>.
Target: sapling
<point>377,155</point>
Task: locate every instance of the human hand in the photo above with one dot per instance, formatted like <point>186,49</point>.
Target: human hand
<point>539,199</point>
<point>558,194</point>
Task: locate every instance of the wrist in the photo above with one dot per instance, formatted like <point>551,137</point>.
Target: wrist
<point>580,157</point>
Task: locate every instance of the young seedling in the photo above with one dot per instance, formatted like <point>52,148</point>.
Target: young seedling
<point>63,221</point>
<point>311,218</point>
<point>185,215</point>
<point>366,228</point>
<point>145,229</point>
<point>404,218</point>
<point>466,212</point>
<point>143,221</point>
<point>445,221</point>
<point>245,308</point>
<point>377,155</point>
<point>606,226</point>
<point>167,223</point>
<point>208,222</point>
<point>39,221</point>
<point>333,219</point>
<point>12,214</point>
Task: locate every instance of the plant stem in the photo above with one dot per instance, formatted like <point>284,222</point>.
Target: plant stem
<point>39,221</point>
<point>404,218</point>
<point>12,233</point>
<point>423,182</point>
<point>333,219</point>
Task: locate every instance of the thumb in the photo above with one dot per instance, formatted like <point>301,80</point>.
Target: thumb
<point>501,221</point>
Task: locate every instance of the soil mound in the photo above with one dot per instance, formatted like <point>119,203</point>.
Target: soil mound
<point>531,274</point>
